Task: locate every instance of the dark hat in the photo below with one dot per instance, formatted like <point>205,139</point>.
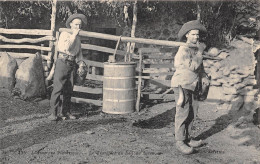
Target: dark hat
<point>76,16</point>
<point>191,25</point>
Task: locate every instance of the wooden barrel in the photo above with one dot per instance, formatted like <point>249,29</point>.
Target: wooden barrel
<point>119,90</point>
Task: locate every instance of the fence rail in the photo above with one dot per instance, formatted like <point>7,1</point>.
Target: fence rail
<point>102,49</point>
<point>26,31</point>
<point>10,46</point>
<point>27,44</point>
<point>28,40</point>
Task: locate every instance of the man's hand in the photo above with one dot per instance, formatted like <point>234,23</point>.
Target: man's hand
<point>75,32</point>
<point>205,81</point>
<point>201,47</point>
<point>51,74</point>
<point>81,72</point>
<point>83,69</point>
<point>48,79</point>
<point>256,46</point>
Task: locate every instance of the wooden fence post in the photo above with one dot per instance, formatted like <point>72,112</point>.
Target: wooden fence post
<point>137,107</point>
<point>51,43</point>
<point>131,45</point>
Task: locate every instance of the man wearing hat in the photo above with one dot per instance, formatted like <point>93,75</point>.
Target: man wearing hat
<point>69,52</point>
<point>188,64</point>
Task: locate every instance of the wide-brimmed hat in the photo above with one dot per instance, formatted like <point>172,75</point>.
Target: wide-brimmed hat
<point>76,16</point>
<point>191,25</point>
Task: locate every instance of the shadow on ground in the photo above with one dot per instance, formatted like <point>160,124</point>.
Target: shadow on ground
<point>52,131</point>
<point>157,122</point>
<point>84,110</point>
<point>249,130</point>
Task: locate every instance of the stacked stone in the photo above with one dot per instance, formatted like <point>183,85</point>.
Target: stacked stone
<point>235,83</point>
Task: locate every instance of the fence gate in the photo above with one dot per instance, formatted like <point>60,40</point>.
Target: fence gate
<point>155,69</point>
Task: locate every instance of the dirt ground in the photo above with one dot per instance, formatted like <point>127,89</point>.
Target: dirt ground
<point>27,136</point>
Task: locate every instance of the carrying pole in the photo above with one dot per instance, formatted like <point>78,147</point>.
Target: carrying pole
<point>129,39</point>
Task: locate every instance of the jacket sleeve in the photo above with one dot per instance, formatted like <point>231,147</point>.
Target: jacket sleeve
<point>184,59</point>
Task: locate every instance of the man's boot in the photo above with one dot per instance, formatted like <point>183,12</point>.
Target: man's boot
<point>52,117</point>
<point>70,116</point>
<point>182,147</point>
<point>194,143</point>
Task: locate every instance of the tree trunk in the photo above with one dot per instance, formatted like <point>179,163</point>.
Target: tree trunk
<point>131,46</point>
<point>53,20</point>
<point>198,12</point>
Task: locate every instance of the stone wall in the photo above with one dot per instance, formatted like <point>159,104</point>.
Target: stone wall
<point>233,77</point>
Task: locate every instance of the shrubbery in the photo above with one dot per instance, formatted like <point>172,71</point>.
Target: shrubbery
<point>223,19</point>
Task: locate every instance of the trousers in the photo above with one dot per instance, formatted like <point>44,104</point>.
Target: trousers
<point>257,69</point>
<point>185,114</point>
<point>62,87</point>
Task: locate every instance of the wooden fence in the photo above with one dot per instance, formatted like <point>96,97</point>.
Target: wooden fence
<point>140,70</point>
<point>23,43</point>
<point>154,68</point>
<point>45,42</point>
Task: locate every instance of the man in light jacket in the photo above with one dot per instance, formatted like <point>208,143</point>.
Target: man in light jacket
<point>188,64</point>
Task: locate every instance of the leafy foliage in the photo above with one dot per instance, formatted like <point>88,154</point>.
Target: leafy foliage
<point>182,11</point>
<point>223,19</point>
<point>25,14</point>
<point>226,19</point>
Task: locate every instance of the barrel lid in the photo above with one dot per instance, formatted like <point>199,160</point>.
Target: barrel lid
<point>120,63</point>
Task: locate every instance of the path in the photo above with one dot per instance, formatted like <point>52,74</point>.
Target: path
<point>146,137</point>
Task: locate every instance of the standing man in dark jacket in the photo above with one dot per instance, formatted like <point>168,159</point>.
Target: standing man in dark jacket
<point>69,52</point>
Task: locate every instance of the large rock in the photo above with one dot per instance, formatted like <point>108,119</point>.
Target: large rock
<point>213,69</point>
<point>237,103</point>
<point>233,67</point>
<point>223,80</point>
<point>249,81</point>
<point>242,71</point>
<point>234,76</point>
<point>248,92</point>
<point>8,67</point>
<point>223,55</point>
<point>250,103</point>
<point>239,86</point>
<point>218,65</point>
<point>226,71</point>
<point>215,93</point>
<point>216,75</point>
<point>252,92</point>
<point>227,84</point>
<point>229,98</point>
<point>206,64</point>
<point>245,90</point>
<point>229,90</point>
<point>235,81</point>
<point>30,78</point>
<point>215,83</point>
<point>213,51</point>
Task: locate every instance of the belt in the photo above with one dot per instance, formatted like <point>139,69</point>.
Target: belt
<point>66,57</point>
